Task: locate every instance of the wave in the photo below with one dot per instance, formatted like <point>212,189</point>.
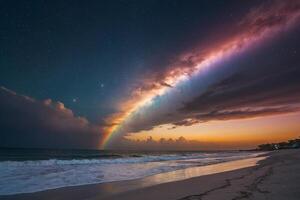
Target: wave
<point>38,175</point>
<point>121,159</point>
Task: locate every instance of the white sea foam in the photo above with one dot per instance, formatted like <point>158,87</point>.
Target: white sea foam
<point>31,176</point>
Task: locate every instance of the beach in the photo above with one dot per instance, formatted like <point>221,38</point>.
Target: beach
<point>275,175</point>
<point>150,100</point>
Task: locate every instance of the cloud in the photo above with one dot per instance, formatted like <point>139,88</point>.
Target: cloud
<point>261,22</point>
<point>26,122</point>
<point>179,144</point>
<point>252,94</point>
<point>245,96</point>
<point>235,114</point>
<point>258,26</point>
<point>246,91</point>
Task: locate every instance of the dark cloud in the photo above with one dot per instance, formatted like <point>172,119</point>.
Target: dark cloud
<point>236,114</point>
<point>166,84</point>
<point>244,96</point>
<point>259,26</point>
<point>26,122</point>
<point>166,54</point>
<point>269,17</point>
<point>270,87</point>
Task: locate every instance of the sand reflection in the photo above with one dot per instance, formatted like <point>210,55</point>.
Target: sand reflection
<point>182,174</point>
<point>199,171</point>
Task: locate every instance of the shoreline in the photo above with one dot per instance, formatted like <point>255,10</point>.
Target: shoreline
<point>106,190</point>
<point>276,177</point>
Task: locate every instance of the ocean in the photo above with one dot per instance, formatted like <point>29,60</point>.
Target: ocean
<point>32,170</point>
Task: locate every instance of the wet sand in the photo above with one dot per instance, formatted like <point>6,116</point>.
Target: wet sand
<point>276,177</point>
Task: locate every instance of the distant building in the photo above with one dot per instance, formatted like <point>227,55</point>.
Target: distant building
<point>291,144</point>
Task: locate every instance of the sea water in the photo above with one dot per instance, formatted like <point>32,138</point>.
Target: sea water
<point>32,170</point>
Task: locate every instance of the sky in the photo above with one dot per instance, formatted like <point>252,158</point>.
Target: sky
<point>149,74</point>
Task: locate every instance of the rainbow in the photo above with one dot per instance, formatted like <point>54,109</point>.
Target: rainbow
<point>248,35</point>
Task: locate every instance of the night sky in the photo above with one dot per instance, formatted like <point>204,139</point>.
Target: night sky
<point>131,74</point>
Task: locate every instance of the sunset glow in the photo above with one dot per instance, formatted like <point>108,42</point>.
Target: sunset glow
<point>248,35</point>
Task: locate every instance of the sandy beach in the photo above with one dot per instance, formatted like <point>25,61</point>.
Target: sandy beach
<point>150,100</point>
<point>276,177</point>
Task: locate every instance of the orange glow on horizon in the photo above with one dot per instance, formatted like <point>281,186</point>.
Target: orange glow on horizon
<point>252,131</point>
<point>157,84</point>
